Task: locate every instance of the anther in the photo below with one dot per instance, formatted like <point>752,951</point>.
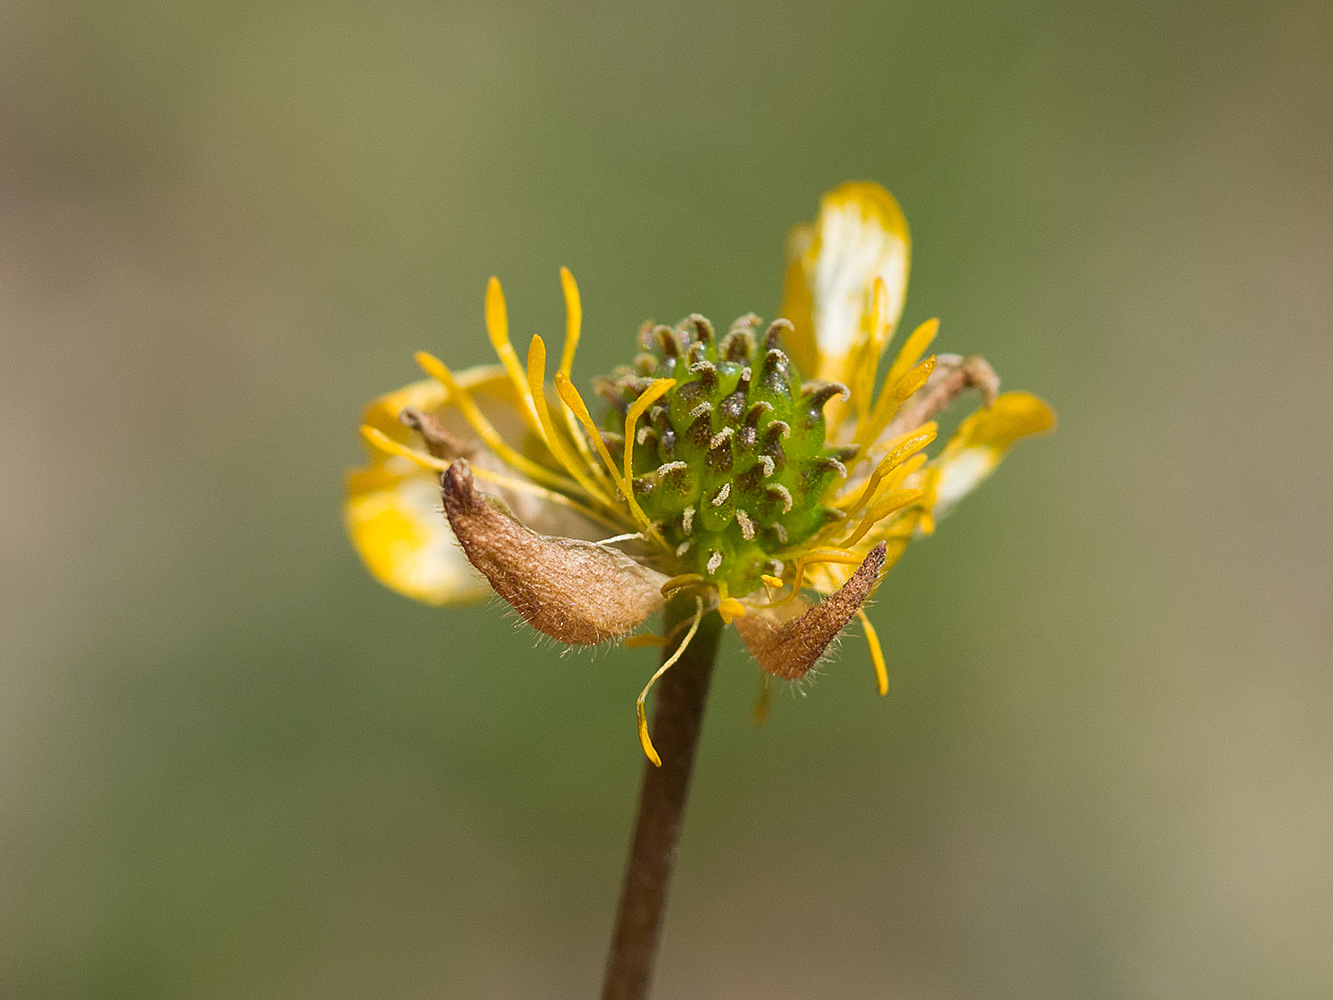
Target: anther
<point>714,561</point>
<point>667,338</point>
<point>720,497</point>
<point>701,409</point>
<point>684,547</point>
<point>769,465</point>
<point>687,520</point>
<point>817,396</point>
<point>721,436</point>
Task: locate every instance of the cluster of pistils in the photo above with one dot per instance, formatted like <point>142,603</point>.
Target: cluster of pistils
<point>731,462</point>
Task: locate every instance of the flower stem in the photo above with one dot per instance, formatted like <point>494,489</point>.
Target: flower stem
<point>677,721</point>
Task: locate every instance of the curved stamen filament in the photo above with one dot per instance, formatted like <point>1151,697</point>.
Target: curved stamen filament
<point>649,751</point>
<point>571,398</point>
<point>376,438</point>
<point>899,450</point>
<point>646,399</point>
<point>536,387</point>
<point>573,325</point>
<point>890,398</point>
<point>497,328</point>
<point>837,555</point>
<point>461,398</point>
<point>876,653</point>
<point>863,374</point>
<point>881,509</point>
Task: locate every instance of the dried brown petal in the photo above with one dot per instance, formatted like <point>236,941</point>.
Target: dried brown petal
<point>953,375</point>
<point>578,592</point>
<point>439,441</point>
<point>789,649</point>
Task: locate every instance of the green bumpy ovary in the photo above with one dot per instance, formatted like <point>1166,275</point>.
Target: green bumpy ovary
<point>731,462</point>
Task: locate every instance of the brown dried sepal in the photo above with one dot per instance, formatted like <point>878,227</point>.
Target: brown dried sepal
<point>789,649</point>
<point>578,592</point>
<point>953,375</point>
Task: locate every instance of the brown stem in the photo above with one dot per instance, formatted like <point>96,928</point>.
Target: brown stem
<point>682,694</point>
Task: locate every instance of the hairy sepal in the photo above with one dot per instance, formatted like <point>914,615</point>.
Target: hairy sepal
<point>581,593</point>
<point>789,648</point>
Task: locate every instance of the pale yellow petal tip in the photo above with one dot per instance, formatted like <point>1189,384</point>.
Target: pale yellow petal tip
<point>1014,415</point>
<point>397,529</point>
<point>874,200</point>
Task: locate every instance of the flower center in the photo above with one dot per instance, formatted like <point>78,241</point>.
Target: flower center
<point>731,462</point>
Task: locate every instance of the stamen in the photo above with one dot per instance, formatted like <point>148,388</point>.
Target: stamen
<point>645,400</point>
<point>687,518</point>
<point>714,561</point>
<point>899,450</point>
<point>684,547</point>
<point>701,409</point>
<point>881,509</point>
<point>536,385</point>
<point>876,654</point>
<point>571,398</point>
<point>782,493</point>
<point>461,398</point>
<point>376,438</point>
<point>573,320</point>
<point>721,496</point>
<point>641,715</point>
<point>730,609</point>
<point>773,581</point>
<point>497,328</point>
<point>892,397</point>
<point>769,467</point>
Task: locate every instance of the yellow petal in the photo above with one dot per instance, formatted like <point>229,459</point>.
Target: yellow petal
<point>394,517</point>
<point>981,441</point>
<point>860,235</point>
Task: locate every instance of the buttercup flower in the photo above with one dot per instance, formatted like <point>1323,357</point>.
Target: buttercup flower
<point>757,469</point>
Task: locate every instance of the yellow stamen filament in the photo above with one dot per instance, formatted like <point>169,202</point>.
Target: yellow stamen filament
<point>881,509</point>
<point>497,328</point>
<point>913,348</point>
<point>573,326</point>
<point>376,438</point>
<point>838,555</point>
<point>678,582</point>
<point>863,374</point>
<point>729,609</point>
<point>644,739</point>
<point>573,320</point>
<point>574,401</point>
<point>646,399</point>
<point>461,398</point>
<point>890,398</point>
<point>876,653</point>
<point>645,641</point>
<point>899,449</point>
<point>557,444</point>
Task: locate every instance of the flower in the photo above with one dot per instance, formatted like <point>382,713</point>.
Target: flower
<point>753,469</point>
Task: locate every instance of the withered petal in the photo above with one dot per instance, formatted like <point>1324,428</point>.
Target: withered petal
<point>578,592</point>
<point>789,649</point>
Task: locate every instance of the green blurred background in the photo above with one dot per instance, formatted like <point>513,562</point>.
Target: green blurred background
<point>231,765</point>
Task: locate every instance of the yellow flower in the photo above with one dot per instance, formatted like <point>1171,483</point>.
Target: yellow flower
<point>719,470</point>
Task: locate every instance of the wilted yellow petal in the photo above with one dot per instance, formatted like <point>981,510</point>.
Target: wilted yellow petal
<point>981,441</point>
<point>860,235</point>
